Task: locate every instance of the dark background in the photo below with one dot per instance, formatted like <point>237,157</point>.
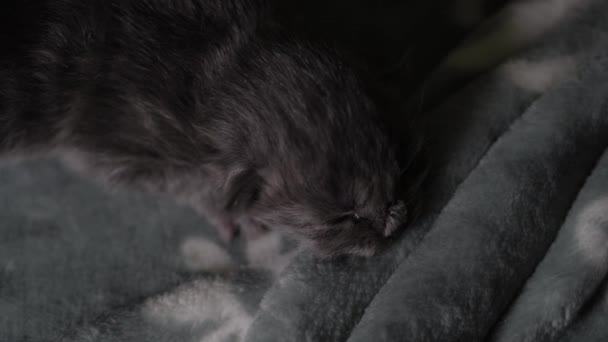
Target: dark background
<point>396,42</point>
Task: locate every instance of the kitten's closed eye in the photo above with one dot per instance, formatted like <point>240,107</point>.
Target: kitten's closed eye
<point>354,218</point>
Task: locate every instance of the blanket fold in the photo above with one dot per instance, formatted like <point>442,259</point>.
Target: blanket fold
<point>499,223</point>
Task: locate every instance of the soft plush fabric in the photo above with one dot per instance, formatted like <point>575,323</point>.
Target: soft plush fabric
<point>512,244</point>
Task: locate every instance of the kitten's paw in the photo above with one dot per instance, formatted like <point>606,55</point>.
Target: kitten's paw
<point>228,229</point>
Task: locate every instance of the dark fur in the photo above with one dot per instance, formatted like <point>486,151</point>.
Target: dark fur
<point>207,101</point>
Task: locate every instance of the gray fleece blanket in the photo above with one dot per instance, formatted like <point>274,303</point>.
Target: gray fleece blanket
<point>513,245</point>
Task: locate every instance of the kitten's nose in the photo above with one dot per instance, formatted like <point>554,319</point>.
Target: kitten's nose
<point>395,217</point>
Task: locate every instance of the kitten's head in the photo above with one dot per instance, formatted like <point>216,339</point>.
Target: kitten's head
<point>350,202</point>
<point>347,209</point>
<point>324,166</point>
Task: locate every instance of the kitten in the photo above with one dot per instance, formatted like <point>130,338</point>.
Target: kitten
<point>209,101</point>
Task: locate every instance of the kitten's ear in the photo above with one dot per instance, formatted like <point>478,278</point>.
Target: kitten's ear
<point>242,189</point>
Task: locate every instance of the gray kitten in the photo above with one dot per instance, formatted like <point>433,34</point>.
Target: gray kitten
<point>211,102</point>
